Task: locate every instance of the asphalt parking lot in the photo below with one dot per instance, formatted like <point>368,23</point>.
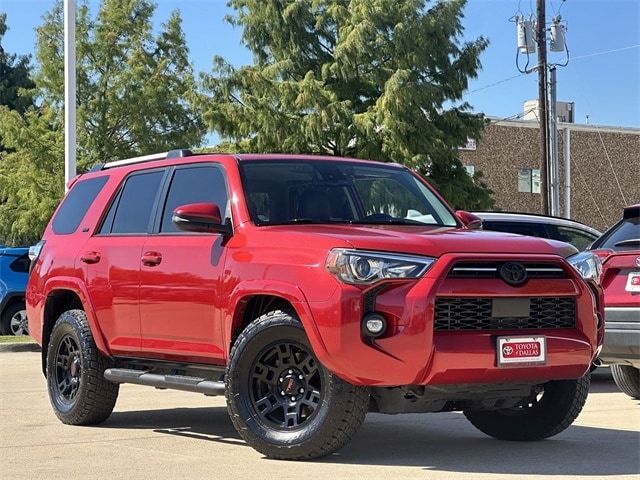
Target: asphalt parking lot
<point>166,434</point>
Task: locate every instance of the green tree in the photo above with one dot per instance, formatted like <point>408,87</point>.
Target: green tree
<point>15,82</point>
<point>366,78</point>
<point>136,93</point>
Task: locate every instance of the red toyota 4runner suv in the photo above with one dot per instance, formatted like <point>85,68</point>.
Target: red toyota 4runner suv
<point>309,291</point>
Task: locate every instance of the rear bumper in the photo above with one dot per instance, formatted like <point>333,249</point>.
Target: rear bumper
<point>622,335</point>
<point>413,353</point>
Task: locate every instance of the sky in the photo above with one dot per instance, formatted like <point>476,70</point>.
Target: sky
<point>602,78</point>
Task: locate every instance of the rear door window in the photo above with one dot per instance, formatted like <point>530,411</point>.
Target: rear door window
<point>131,211</point>
<point>75,205</point>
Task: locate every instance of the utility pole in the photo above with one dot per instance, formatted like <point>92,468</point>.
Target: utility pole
<point>543,116</point>
<point>554,177</point>
<point>69,90</point>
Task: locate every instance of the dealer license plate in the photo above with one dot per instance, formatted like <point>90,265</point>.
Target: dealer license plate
<point>520,351</point>
<point>633,282</point>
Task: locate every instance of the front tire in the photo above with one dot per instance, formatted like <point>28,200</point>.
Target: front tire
<point>546,415</point>
<point>78,391</point>
<point>281,400</point>
<point>627,379</point>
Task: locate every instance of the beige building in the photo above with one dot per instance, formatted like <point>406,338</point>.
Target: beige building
<point>604,174</point>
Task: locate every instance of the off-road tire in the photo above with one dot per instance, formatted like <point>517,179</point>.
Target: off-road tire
<point>9,312</point>
<point>627,379</point>
<point>95,397</point>
<point>340,412</point>
<point>559,406</point>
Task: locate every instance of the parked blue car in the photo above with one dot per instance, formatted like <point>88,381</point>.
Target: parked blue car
<point>14,272</point>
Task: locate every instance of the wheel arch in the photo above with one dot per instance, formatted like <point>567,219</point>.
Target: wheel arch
<point>10,299</point>
<point>249,302</point>
<point>63,295</point>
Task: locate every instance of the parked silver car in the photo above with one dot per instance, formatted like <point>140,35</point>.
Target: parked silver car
<point>555,228</point>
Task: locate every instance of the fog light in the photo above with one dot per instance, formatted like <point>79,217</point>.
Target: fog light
<point>374,325</point>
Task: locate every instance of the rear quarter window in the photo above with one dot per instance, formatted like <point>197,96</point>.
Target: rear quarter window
<point>20,264</point>
<point>75,205</point>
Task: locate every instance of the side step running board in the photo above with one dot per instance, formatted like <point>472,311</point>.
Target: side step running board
<point>174,382</point>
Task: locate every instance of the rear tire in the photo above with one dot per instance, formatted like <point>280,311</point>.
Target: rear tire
<point>78,391</point>
<point>281,400</point>
<point>14,320</point>
<point>542,417</point>
<point>627,379</point>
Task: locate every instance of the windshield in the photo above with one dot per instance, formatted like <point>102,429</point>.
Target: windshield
<point>323,191</point>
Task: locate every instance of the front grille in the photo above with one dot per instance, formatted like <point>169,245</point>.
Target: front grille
<point>476,314</point>
<point>490,270</point>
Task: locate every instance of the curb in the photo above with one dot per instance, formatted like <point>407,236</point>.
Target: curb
<point>19,347</point>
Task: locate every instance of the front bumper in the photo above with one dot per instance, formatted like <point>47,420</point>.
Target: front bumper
<point>622,336</point>
<point>414,354</point>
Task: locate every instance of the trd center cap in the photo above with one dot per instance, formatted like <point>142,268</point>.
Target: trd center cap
<point>290,385</point>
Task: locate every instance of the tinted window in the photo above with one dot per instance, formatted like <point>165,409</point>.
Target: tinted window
<point>520,228</point>
<point>578,238</point>
<point>21,264</point>
<point>134,206</point>
<point>194,185</point>
<point>622,235</point>
<point>75,205</point>
<point>324,191</point>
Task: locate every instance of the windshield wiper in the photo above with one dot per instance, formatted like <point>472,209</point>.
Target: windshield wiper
<point>630,241</point>
<point>394,221</point>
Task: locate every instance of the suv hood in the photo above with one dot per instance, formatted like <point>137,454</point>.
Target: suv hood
<point>432,241</point>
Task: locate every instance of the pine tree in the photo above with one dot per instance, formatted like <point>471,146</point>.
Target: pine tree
<point>365,78</point>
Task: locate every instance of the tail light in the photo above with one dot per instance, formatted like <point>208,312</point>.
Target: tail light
<point>34,253</point>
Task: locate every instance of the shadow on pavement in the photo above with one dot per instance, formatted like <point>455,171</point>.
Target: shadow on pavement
<point>447,442</point>
<point>602,385</point>
<point>212,424</point>
<point>443,442</point>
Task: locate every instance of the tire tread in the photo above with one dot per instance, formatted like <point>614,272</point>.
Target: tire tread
<point>351,405</point>
<point>627,379</point>
<point>97,395</point>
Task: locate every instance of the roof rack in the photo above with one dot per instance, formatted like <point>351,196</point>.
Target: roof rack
<point>180,153</point>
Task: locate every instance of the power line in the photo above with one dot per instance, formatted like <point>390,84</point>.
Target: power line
<point>515,116</point>
<point>490,85</point>
<point>584,182</point>
<point>629,47</point>
<point>496,83</point>
<point>615,175</point>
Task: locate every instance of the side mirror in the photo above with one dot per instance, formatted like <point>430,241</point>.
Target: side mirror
<point>469,220</point>
<point>201,218</point>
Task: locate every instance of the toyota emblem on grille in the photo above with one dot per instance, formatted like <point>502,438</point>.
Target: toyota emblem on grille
<point>513,273</point>
<point>637,261</point>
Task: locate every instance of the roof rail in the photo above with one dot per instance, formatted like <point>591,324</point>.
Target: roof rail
<point>145,158</point>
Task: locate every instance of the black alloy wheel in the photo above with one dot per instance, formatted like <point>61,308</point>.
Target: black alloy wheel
<point>78,391</point>
<point>68,369</point>
<point>282,401</point>
<point>286,385</point>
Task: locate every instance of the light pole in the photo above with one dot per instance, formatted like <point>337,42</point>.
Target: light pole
<point>69,90</point>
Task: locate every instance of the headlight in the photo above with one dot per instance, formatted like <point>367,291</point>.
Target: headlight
<point>365,267</point>
<point>587,265</point>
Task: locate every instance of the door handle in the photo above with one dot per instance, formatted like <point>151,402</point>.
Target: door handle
<point>151,259</point>
<point>90,257</point>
